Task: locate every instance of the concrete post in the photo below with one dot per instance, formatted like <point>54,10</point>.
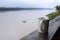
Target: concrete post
<point>43,25</point>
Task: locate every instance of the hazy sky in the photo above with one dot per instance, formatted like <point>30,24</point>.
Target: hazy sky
<point>29,3</point>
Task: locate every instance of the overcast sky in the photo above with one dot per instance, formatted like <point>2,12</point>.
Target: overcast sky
<point>29,3</point>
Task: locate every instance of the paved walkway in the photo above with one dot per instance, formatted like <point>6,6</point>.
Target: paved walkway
<point>35,36</point>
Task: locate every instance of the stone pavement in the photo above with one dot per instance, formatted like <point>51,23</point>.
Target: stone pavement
<point>35,36</point>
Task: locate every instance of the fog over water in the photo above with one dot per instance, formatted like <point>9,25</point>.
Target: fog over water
<point>13,27</point>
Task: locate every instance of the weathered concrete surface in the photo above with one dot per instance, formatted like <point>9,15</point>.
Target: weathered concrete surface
<point>57,35</point>
<point>53,26</point>
<point>35,36</point>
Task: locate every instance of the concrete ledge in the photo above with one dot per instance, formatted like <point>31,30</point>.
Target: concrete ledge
<point>35,36</point>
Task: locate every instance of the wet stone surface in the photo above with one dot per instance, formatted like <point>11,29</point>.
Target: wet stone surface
<point>35,36</point>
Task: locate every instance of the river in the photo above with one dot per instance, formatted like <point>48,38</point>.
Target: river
<point>16,24</point>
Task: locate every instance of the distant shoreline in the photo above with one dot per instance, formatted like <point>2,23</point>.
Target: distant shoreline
<point>5,9</point>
